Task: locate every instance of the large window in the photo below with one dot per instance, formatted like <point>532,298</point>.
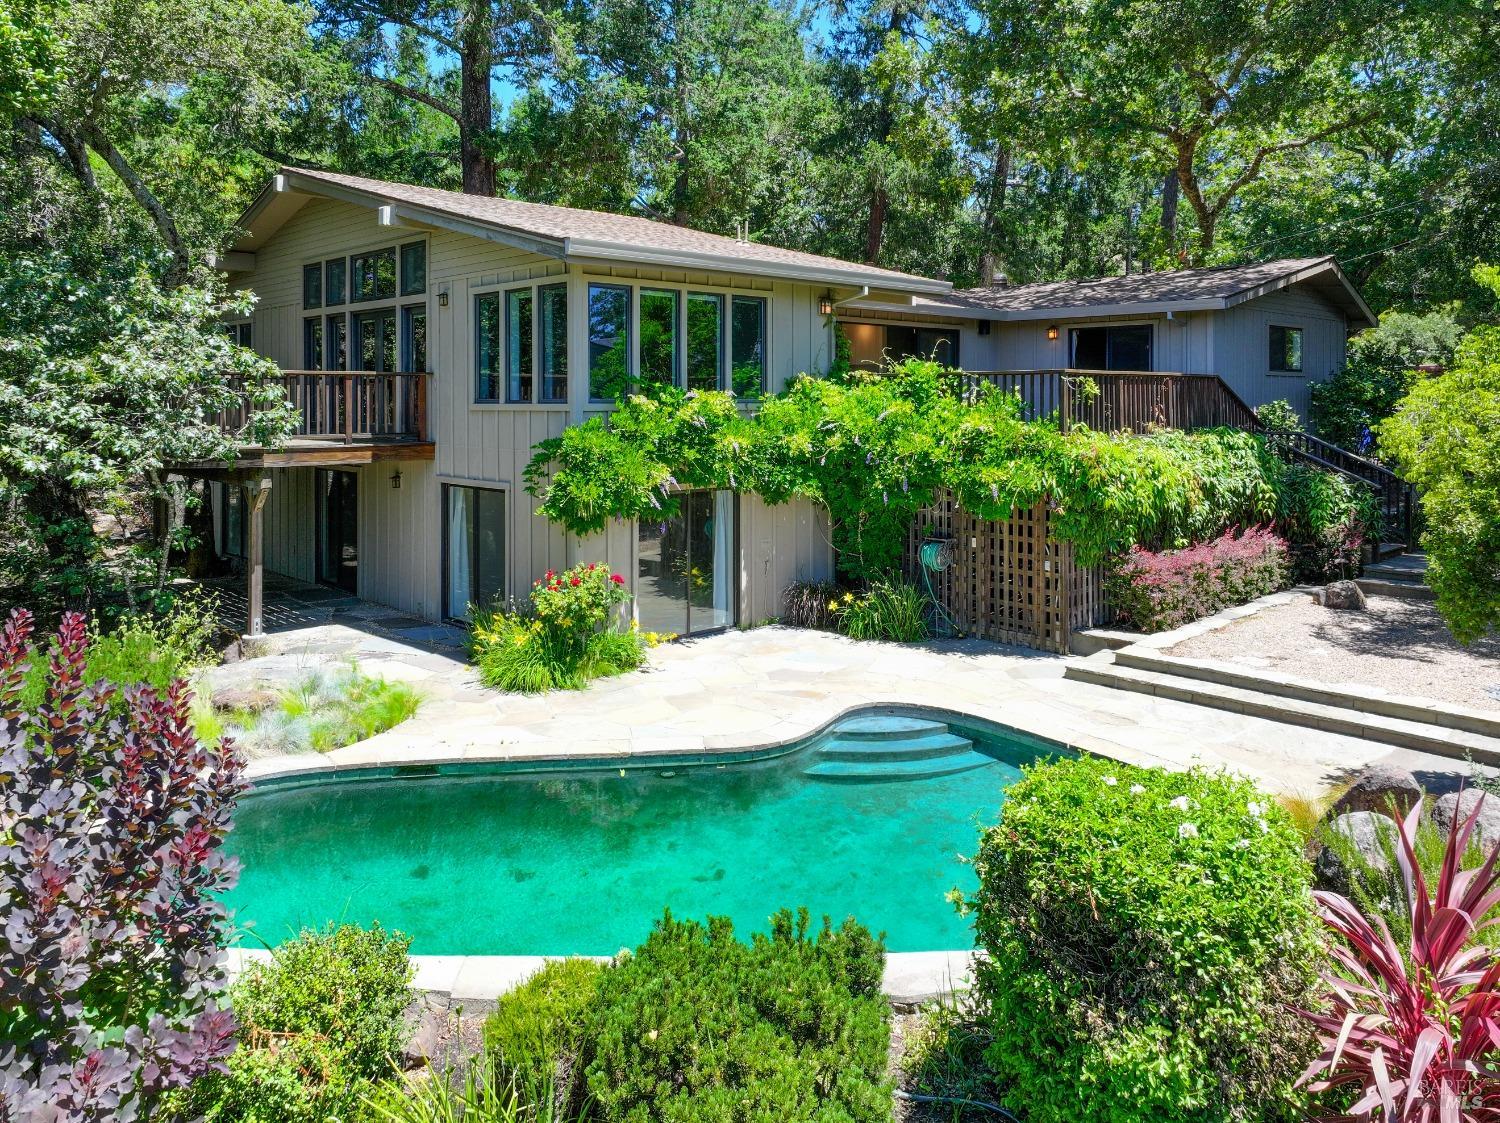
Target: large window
<point>1286,350</point>
<point>312,343</point>
<point>474,540</point>
<point>520,350</point>
<point>413,268</point>
<point>414,337</point>
<point>705,339</point>
<point>553,324</point>
<point>747,345</point>
<point>941,344</point>
<point>373,275</point>
<point>335,275</point>
<point>661,331</point>
<point>685,565</point>
<point>312,286</point>
<point>487,347</point>
<point>337,336</point>
<point>239,333</point>
<point>609,342</point>
<point>1127,347</point>
<point>375,339</point>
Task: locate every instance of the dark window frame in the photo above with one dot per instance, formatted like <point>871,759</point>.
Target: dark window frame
<point>527,378</point>
<point>336,338</point>
<point>1148,326</point>
<point>356,293</point>
<point>312,285</point>
<point>720,374</point>
<point>314,343</point>
<point>447,545</point>
<point>406,337</point>
<point>765,331</point>
<point>1279,363</point>
<point>403,286</point>
<point>679,333</point>
<point>335,267</point>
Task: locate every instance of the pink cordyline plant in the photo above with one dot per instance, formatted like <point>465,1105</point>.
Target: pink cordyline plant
<point>1416,1031</point>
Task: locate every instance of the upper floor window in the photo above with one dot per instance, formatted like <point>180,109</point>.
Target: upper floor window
<point>661,337</point>
<point>312,285</point>
<point>520,351</point>
<point>552,332</point>
<point>705,339</point>
<point>239,333</point>
<point>335,277</point>
<point>609,342</point>
<point>414,337</point>
<point>747,345</point>
<point>373,275</point>
<point>312,343</point>
<point>413,268</point>
<point>1286,349</point>
<point>487,347</point>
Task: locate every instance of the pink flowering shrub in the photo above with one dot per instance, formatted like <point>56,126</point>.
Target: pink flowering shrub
<point>112,827</point>
<point>1156,591</point>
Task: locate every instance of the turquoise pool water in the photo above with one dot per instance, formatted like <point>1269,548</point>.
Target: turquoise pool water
<point>867,821</point>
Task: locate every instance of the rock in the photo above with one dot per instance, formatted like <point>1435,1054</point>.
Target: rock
<point>1455,807</point>
<point>249,698</point>
<point>1380,787</point>
<point>429,1033</point>
<point>1343,594</point>
<point>1374,837</point>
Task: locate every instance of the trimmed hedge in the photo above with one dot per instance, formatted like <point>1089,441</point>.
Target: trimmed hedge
<point>1148,933</point>
<point>1157,591</point>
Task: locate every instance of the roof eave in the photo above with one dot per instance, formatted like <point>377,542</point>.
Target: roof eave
<point>1071,311</point>
<point>1355,306</point>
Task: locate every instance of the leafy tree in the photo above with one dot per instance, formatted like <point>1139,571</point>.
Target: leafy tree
<point>1445,436</point>
<point>29,65</point>
<point>111,867</point>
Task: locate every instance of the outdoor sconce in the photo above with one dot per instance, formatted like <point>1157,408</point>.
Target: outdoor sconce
<point>442,300</point>
<point>825,304</point>
<point>1052,332</point>
<point>396,480</point>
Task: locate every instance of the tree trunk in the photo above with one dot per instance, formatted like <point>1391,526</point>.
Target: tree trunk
<point>475,100</point>
<point>1169,208</point>
<point>875,231</point>
<point>1187,182</point>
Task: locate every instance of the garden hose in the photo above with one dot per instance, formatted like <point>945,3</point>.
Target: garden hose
<point>917,1097</point>
<point>935,556</point>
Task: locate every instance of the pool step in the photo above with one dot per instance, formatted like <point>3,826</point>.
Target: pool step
<point>886,727</point>
<point>889,771</point>
<point>926,747</point>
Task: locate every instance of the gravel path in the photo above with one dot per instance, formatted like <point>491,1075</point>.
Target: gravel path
<point>1400,645</point>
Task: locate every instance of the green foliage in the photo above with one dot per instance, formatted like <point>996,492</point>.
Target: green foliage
<point>320,1023</point>
<point>324,710</point>
<point>567,637</point>
<point>887,610</point>
<point>1279,419</point>
<point>944,1052</point>
<point>1380,371</point>
<point>872,447</point>
<point>1156,591</point>
<point>1148,933</point>
<point>797,1024</point>
<point>1326,517</point>
<point>480,1097</point>
<point>809,604</point>
<point>542,1024</point>
<point>1445,436</point>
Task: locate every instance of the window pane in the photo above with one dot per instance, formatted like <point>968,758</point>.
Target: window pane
<point>704,329</point>
<point>413,268</point>
<point>414,337</point>
<point>1130,348</point>
<point>338,343</point>
<point>609,342</point>
<point>475,530</point>
<point>554,328</point>
<point>747,345</point>
<point>489,546</point>
<point>518,345</point>
<point>487,347</point>
<point>659,338</point>
<point>939,345</point>
<point>375,339</point>
<point>312,286</point>
<point>312,343</point>
<point>374,275</point>
<point>459,529</point>
<point>1286,349</point>
<point>335,273</point>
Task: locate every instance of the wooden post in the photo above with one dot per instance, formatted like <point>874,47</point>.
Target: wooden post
<point>349,409</point>
<point>257,491</point>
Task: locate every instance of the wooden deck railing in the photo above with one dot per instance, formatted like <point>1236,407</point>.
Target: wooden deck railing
<point>1396,498</point>
<point>1124,400</point>
<point>349,405</point>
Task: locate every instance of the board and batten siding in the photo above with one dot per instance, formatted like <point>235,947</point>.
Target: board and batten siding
<point>1242,346</point>
<point>489,444</point>
<point>1182,344</point>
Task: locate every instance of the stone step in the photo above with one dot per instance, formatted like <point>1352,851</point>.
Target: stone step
<point>891,771</point>
<point>1385,571</point>
<point>1420,711</point>
<point>928,747</point>
<point>1411,590</point>
<point>886,727</point>
<point>1424,737</point>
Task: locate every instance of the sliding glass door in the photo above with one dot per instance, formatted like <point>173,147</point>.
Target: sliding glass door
<point>475,543</point>
<point>685,572</point>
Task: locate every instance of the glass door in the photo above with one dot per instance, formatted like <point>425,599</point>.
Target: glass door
<point>375,339</point>
<point>338,529</point>
<point>685,572</point>
<point>476,549</point>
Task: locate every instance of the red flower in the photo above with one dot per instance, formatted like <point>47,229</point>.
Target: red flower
<point>617,579</point>
<point>575,582</point>
<point>550,575</point>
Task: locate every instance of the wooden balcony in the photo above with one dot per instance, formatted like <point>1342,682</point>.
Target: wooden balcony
<point>1124,400</point>
<point>343,418</point>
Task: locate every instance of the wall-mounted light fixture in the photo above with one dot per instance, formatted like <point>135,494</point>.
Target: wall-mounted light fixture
<point>825,304</point>
<point>1052,332</point>
<point>396,479</point>
<point>442,300</point>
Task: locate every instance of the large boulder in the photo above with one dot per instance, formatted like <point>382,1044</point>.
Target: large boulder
<point>1455,807</point>
<point>1343,594</point>
<point>1374,839</point>
<point>1383,788</point>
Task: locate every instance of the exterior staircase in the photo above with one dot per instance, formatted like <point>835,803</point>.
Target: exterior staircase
<point>1402,575</point>
<point>883,748</point>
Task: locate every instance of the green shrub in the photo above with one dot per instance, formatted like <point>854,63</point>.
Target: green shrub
<point>535,1036</point>
<point>889,610</point>
<point>318,1025</point>
<point>481,1097</point>
<point>1327,518</point>
<point>565,638</point>
<point>325,710</point>
<point>805,604</point>
<point>697,1027</point>
<point>1156,591</point>
<point>1148,934</point>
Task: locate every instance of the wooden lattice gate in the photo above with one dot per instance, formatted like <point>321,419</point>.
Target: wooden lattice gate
<point>1007,580</point>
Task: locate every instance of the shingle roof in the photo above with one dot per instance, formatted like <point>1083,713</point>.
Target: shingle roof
<point>583,233</point>
<point>1215,283</point>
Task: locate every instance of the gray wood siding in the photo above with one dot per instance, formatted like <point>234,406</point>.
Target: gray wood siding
<point>1181,344</point>
<point>780,545</point>
<point>1242,345</point>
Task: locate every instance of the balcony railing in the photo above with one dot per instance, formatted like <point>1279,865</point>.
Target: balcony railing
<point>1124,400</point>
<point>349,405</point>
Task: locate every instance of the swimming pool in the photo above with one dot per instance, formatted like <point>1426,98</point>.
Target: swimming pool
<point>868,819</point>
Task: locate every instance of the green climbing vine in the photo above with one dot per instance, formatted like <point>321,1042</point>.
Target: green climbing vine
<point>872,448</point>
